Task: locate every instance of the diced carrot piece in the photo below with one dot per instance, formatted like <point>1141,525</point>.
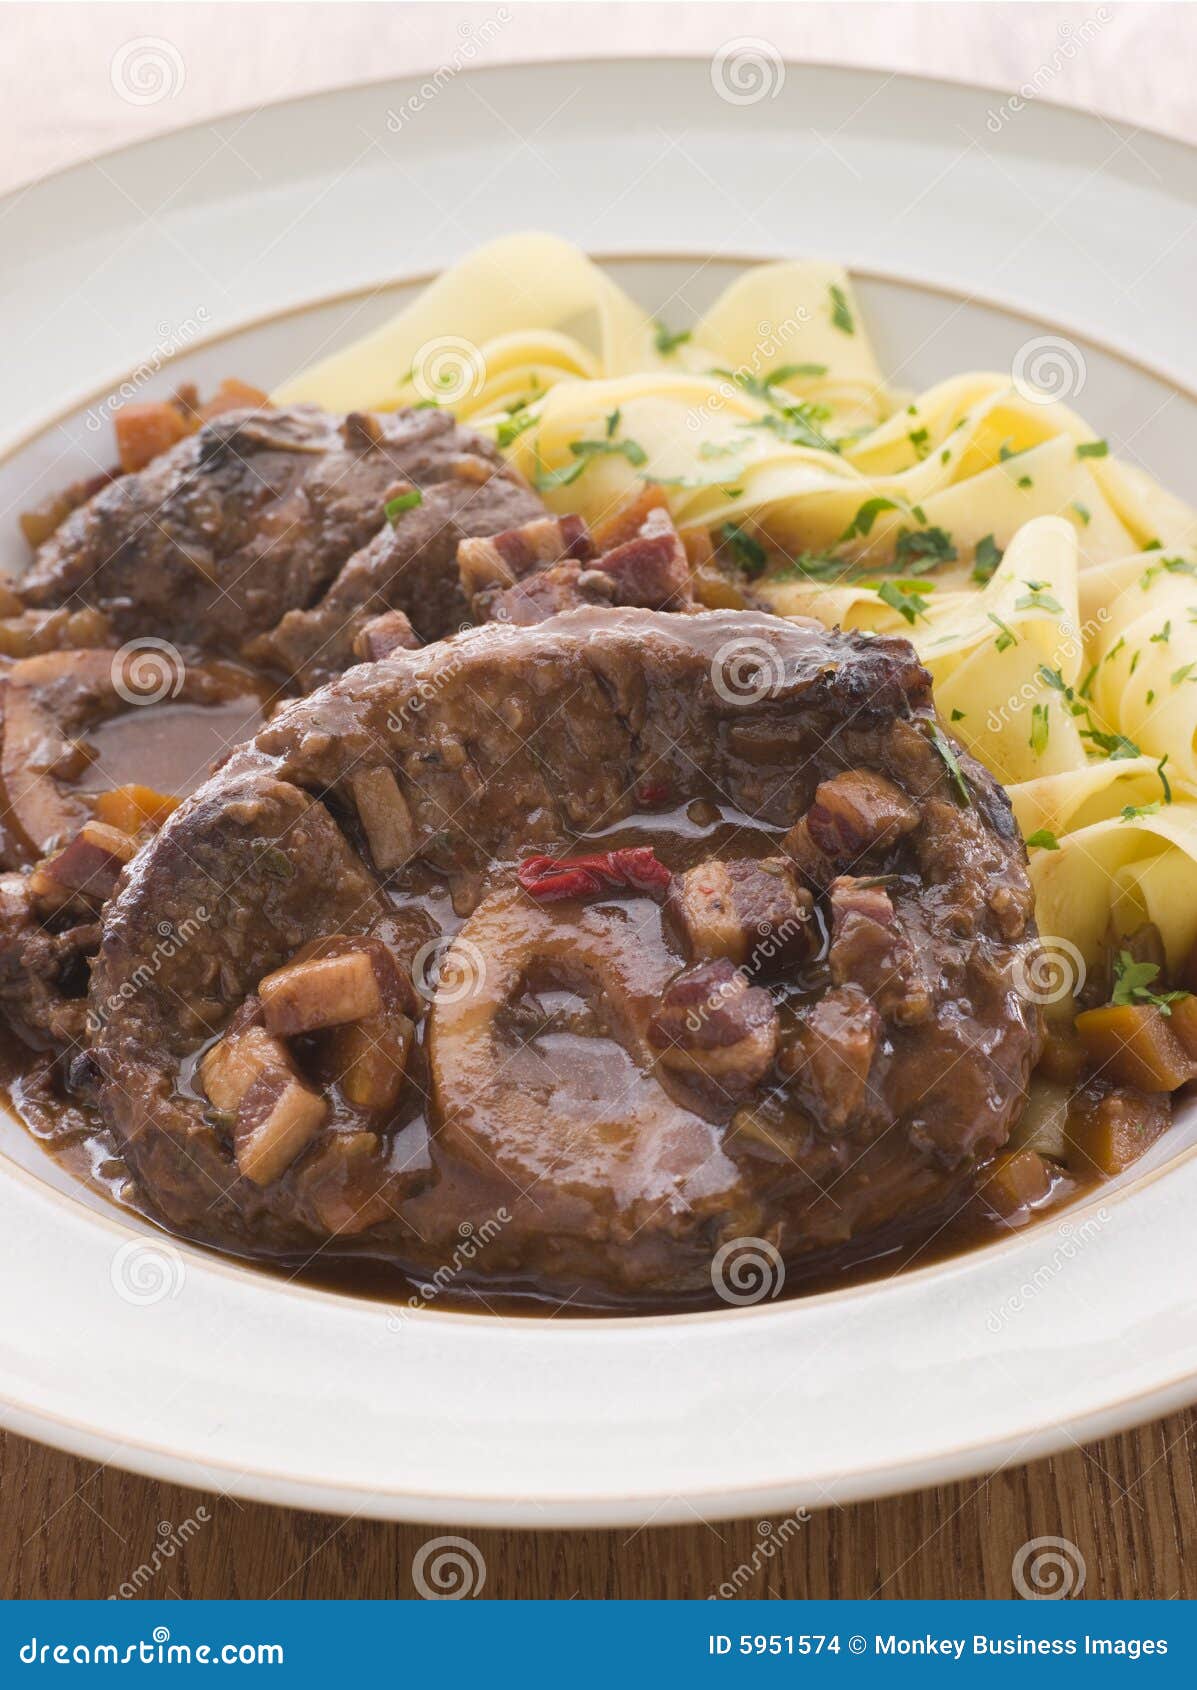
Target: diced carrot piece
<point>1109,1132</point>
<point>1063,1057</point>
<point>1183,1022</point>
<point>1015,1182</point>
<point>144,431</point>
<point>133,807</point>
<point>232,395</point>
<point>1133,1045</point>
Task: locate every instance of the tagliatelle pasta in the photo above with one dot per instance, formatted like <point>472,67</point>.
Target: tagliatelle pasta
<point>1050,589</point>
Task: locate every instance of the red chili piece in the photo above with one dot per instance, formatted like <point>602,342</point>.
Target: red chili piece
<point>550,878</point>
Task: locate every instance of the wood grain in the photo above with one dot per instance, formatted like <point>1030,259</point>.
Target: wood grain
<point>1129,1505</point>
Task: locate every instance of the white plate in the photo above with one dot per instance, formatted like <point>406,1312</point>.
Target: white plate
<point>124,1347</point>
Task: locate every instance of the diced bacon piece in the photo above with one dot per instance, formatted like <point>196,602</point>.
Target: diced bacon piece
<point>830,1052</point>
<point>626,521</point>
<point>651,570</point>
<point>502,559</point>
<point>324,991</point>
<point>751,912</point>
<point>853,813</point>
<point>144,431</point>
<point>385,816</point>
<point>713,1026</point>
<point>564,586</point>
<point>869,949</point>
<point>91,864</point>
<point>392,631</point>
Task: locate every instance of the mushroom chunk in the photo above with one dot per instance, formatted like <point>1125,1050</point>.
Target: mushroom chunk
<point>385,816</point>
<point>502,559</point>
<point>753,913</point>
<point>249,1075</point>
<point>713,1026</point>
<point>853,814</point>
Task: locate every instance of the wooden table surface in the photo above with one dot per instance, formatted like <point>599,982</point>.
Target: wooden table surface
<point>1126,1507</point>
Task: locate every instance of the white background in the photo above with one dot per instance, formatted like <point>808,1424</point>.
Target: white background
<point>58,103</point>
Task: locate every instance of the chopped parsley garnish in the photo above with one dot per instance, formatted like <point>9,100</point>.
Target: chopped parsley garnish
<point>1168,566</point>
<point>585,451</point>
<point>841,314</point>
<point>394,508</point>
<point>950,762</point>
<point>1164,635</point>
<point>1182,674</point>
<point>866,516</point>
<point>1133,981</point>
<point>1085,690</point>
<point>923,548</point>
<point>1083,511</point>
<point>1037,598</point>
<point>1025,481</point>
<point>749,554</point>
<point>908,598</point>
<point>986,559</point>
<point>812,566</point>
<point>958,715</point>
<point>798,425</point>
<point>668,340</point>
<point>1006,635</point>
<point>1132,812</point>
<point>713,449</point>
<point>1093,449</point>
<point>1044,838</point>
<point>919,439</point>
<point>1115,746</point>
<point>1159,769</point>
<point>1040,729</point>
<point>513,425</point>
<point>787,372</point>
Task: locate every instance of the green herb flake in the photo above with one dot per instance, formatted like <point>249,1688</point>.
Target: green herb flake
<point>923,548</point>
<point>668,340</point>
<point>1083,512</point>
<point>1037,598</point>
<point>986,557</point>
<point>841,314</point>
<point>908,598</point>
<point>1164,635</point>
<point>950,762</point>
<point>1093,449</point>
<point>1159,769</point>
<point>394,508</point>
<point>1006,635</point>
<point>866,516</point>
<point>958,715</point>
<point>1043,839</point>
<point>1116,746</point>
<point>750,556</point>
<point>1132,812</point>
<point>1040,729</point>
<point>513,425</point>
<point>1133,981</point>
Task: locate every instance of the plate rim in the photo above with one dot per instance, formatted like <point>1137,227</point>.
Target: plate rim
<point>720,1501</point>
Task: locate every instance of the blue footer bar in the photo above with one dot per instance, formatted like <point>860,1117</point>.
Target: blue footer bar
<point>609,1644</point>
